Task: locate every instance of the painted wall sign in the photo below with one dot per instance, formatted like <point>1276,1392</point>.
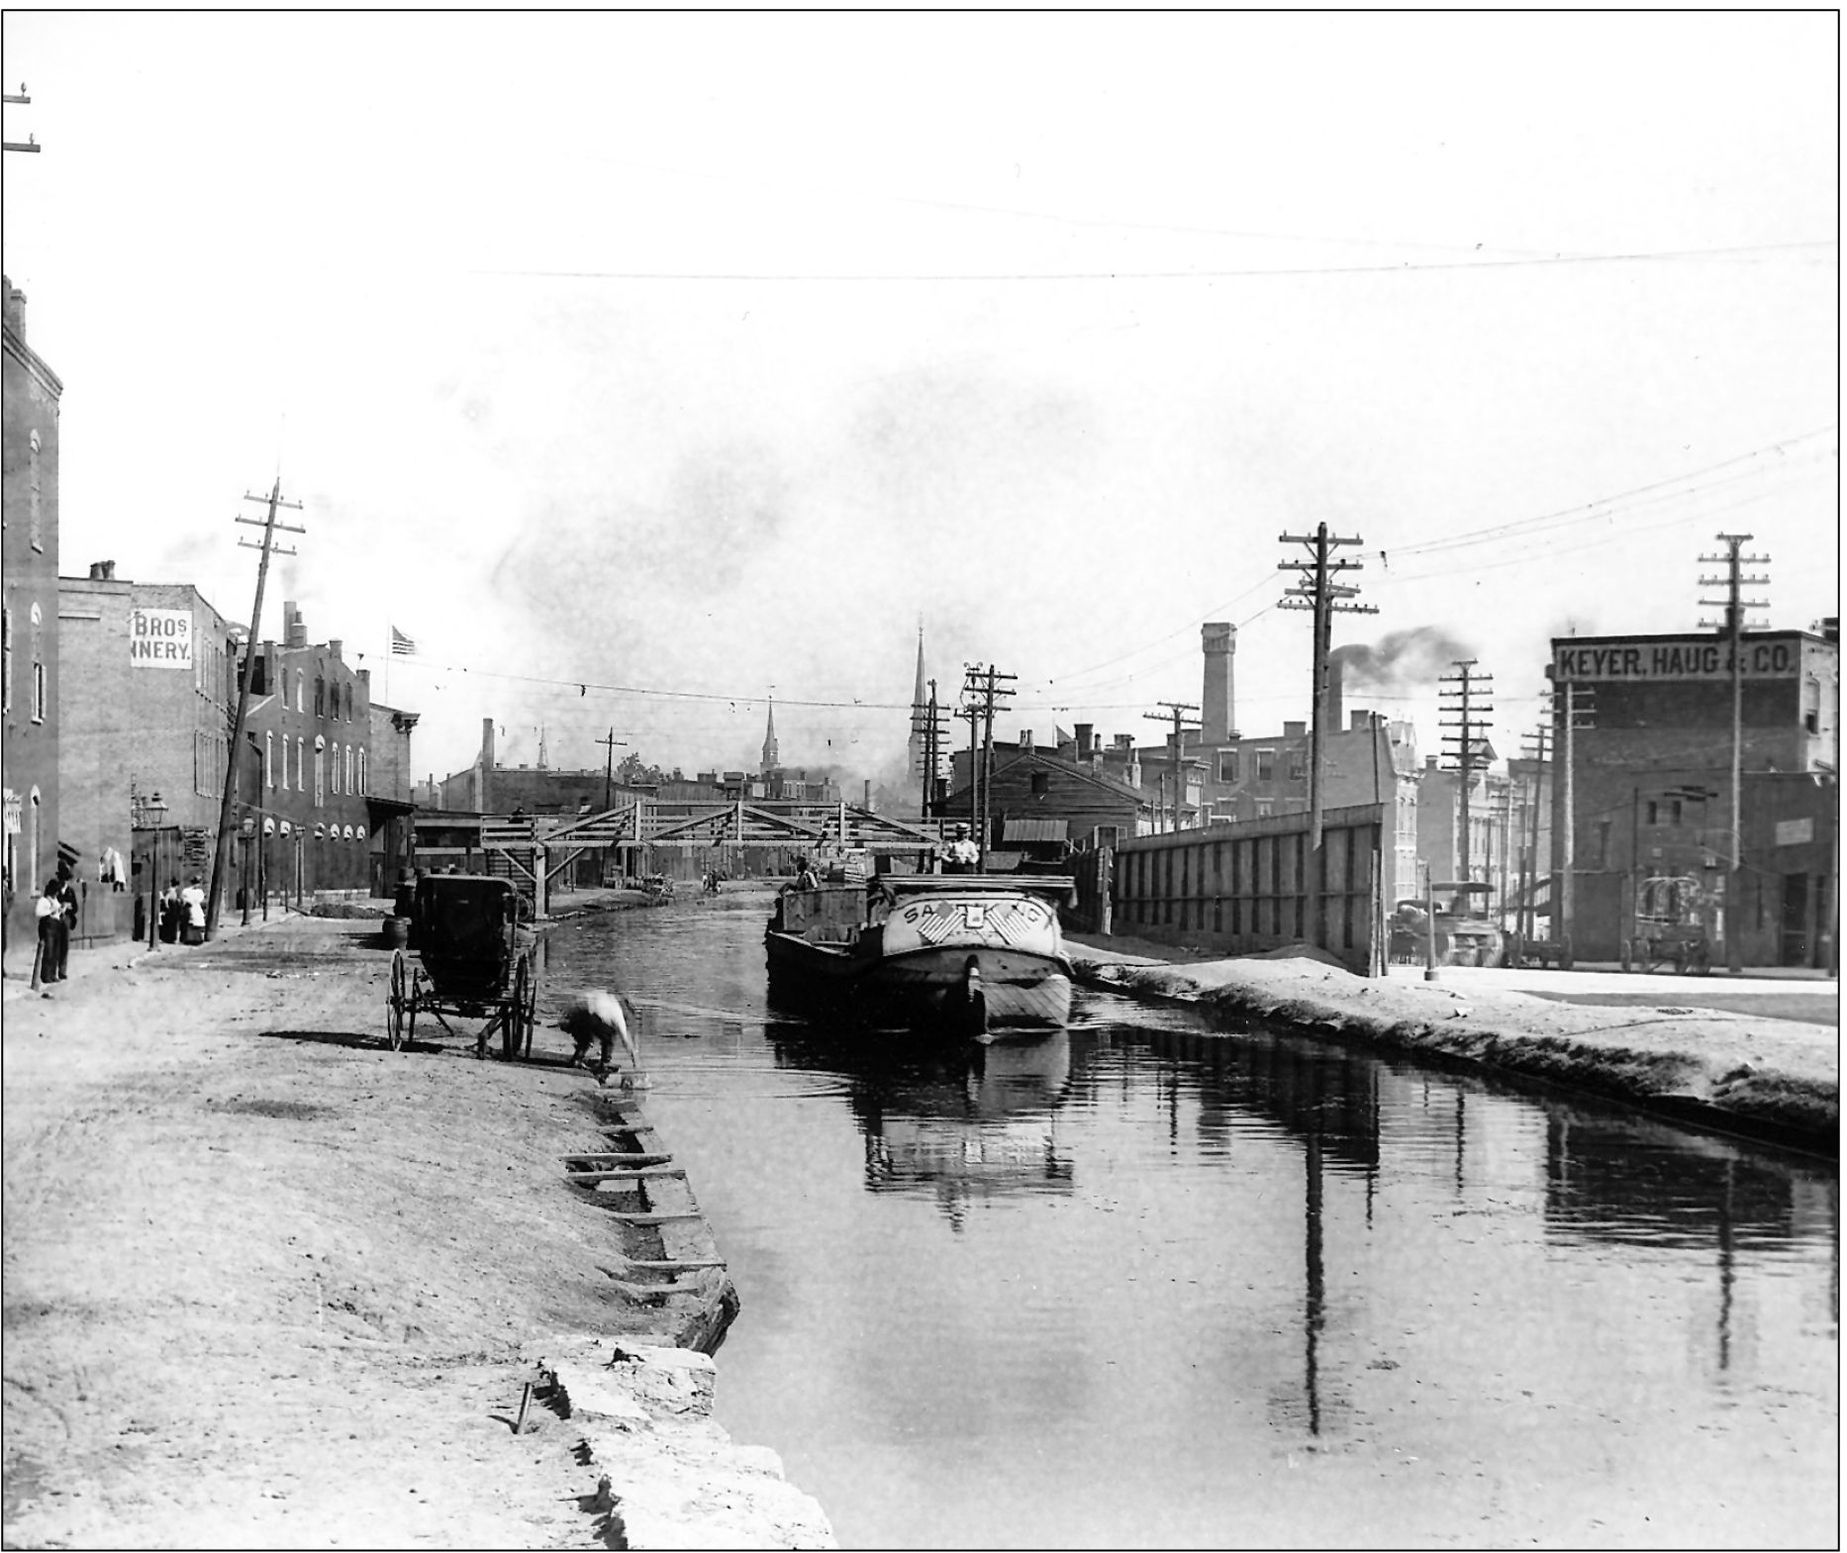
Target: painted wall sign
<point>1794,833</point>
<point>160,638</point>
<point>1658,658</point>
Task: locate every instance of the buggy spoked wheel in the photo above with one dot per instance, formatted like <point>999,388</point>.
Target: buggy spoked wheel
<point>513,1016</point>
<point>529,1013</point>
<point>398,1003</point>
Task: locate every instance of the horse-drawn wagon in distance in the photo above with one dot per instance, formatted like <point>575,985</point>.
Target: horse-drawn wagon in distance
<point>470,934</point>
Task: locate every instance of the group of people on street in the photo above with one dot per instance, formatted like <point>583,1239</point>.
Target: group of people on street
<point>182,913</point>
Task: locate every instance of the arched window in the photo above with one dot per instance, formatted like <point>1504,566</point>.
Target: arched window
<point>335,776</point>
<point>269,758</point>
<point>362,770</point>
<point>35,528</point>
<point>320,696</point>
<point>39,696</point>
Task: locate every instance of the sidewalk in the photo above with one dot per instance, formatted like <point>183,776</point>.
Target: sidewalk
<point>1643,1040</point>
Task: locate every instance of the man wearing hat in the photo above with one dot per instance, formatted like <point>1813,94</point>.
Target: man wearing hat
<point>961,856</point>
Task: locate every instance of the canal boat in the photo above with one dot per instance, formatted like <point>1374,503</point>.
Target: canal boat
<point>975,955</point>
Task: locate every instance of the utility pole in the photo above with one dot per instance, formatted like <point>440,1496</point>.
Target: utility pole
<point>928,723</point>
<point>1529,872</point>
<point>982,685</point>
<point>610,745</point>
<point>1574,709</point>
<point>1459,688</point>
<point>30,143</point>
<point>1316,590</point>
<point>1734,604</point>
<point>269,526</point>
<point>1176,710</point>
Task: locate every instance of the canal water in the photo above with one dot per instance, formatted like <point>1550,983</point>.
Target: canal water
<point>1146,1284</point>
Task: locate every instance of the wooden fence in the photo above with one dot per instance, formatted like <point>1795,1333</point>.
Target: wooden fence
<point>1244,888</point>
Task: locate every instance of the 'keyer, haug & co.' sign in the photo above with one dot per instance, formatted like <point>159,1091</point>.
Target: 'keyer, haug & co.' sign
<point>160,638</point>
<point>1660,658</point>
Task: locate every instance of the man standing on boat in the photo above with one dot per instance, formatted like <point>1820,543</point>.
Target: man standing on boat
<point>961,856</point>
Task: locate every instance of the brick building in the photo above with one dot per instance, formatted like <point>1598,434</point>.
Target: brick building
<point>306,771</point>
<point>145,703</point>
<point>29,617</point>
<point>1651,784</point>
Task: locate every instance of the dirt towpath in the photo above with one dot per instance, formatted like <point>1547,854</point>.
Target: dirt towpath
<point>271,1285</point>
<point>1767,1077</point>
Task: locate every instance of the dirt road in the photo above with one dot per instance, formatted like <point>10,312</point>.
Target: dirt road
<point>269,1284</point>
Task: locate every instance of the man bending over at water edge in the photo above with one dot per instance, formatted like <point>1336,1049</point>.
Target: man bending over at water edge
<point>593,1015</point>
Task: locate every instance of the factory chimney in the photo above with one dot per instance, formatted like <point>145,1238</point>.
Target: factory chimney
<point>1217,724</point>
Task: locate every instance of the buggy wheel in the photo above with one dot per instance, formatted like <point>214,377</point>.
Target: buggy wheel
<point>513,1013</point>
<point>529,1014</point>
<point>1628,955</point>
<point>397,1000</point>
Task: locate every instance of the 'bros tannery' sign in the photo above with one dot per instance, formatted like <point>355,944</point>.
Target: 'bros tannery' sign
<point>1673,657</point>
<point>160,638</point>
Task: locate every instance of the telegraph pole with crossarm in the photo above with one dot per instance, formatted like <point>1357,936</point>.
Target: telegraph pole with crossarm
<point>1316,590</point>
<point>1176,711</point>
<point>269,525</point>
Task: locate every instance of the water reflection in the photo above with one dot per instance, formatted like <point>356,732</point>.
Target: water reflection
<point>959,1123</point>
<point>1215,1249</point>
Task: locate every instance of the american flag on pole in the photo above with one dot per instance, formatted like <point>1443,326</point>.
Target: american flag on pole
<point>400,643</point>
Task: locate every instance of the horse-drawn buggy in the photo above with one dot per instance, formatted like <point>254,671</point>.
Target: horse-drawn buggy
<point>470,934</point>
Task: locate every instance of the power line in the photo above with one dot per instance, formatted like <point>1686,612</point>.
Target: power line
<point>979,277</point>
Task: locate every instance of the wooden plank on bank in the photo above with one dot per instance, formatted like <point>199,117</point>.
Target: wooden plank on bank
<point>646,1173</point>
<point>627,1159</point>
<point>673,1265</point>
<point>651,1218</point>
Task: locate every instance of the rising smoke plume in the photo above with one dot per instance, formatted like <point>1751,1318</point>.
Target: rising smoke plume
<point>1400,658</point>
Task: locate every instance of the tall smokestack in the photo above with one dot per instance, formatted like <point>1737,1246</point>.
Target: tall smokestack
<point>1217,724</point>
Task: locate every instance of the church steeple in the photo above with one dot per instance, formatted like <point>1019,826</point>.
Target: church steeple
<point>920,716</point>
<point>770,759</point>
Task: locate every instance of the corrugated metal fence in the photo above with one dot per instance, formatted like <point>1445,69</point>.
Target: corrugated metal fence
<point>1243,888</point>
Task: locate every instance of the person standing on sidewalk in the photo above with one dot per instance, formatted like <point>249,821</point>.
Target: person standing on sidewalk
<point>67,907</point>
<point>192,903</point>
<point>53,935</point>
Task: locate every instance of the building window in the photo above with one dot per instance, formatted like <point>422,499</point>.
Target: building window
<point>362,770</point>
<point>320,696</point>
<point>1811,706</point>
<point>1266,765</point>
<point>1603,843</point>
<point>301,691</point>
<point>38,691</point>
<point>35,526</point>
<point>349,768</point>
<point>1654,812</point>
<point>301,762</point>
<point>1298,765</point>
<point>1265,806</point>
<point>269,759</point>
<point>1228,765</point>
<point>1041,784</point>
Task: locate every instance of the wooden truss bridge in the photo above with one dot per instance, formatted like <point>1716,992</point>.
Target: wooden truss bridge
<point>538,848</point>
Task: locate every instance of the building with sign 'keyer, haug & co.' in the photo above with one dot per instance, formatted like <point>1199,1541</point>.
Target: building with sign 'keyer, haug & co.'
<point>1651,787</point>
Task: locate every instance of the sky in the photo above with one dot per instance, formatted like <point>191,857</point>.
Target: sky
<point>644,368</point>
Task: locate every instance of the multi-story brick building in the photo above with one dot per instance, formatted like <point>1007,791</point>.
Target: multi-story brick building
<point>1650,789</point>
<point>145,704</point>
<point>29,617</point>
<point>307,767</point>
